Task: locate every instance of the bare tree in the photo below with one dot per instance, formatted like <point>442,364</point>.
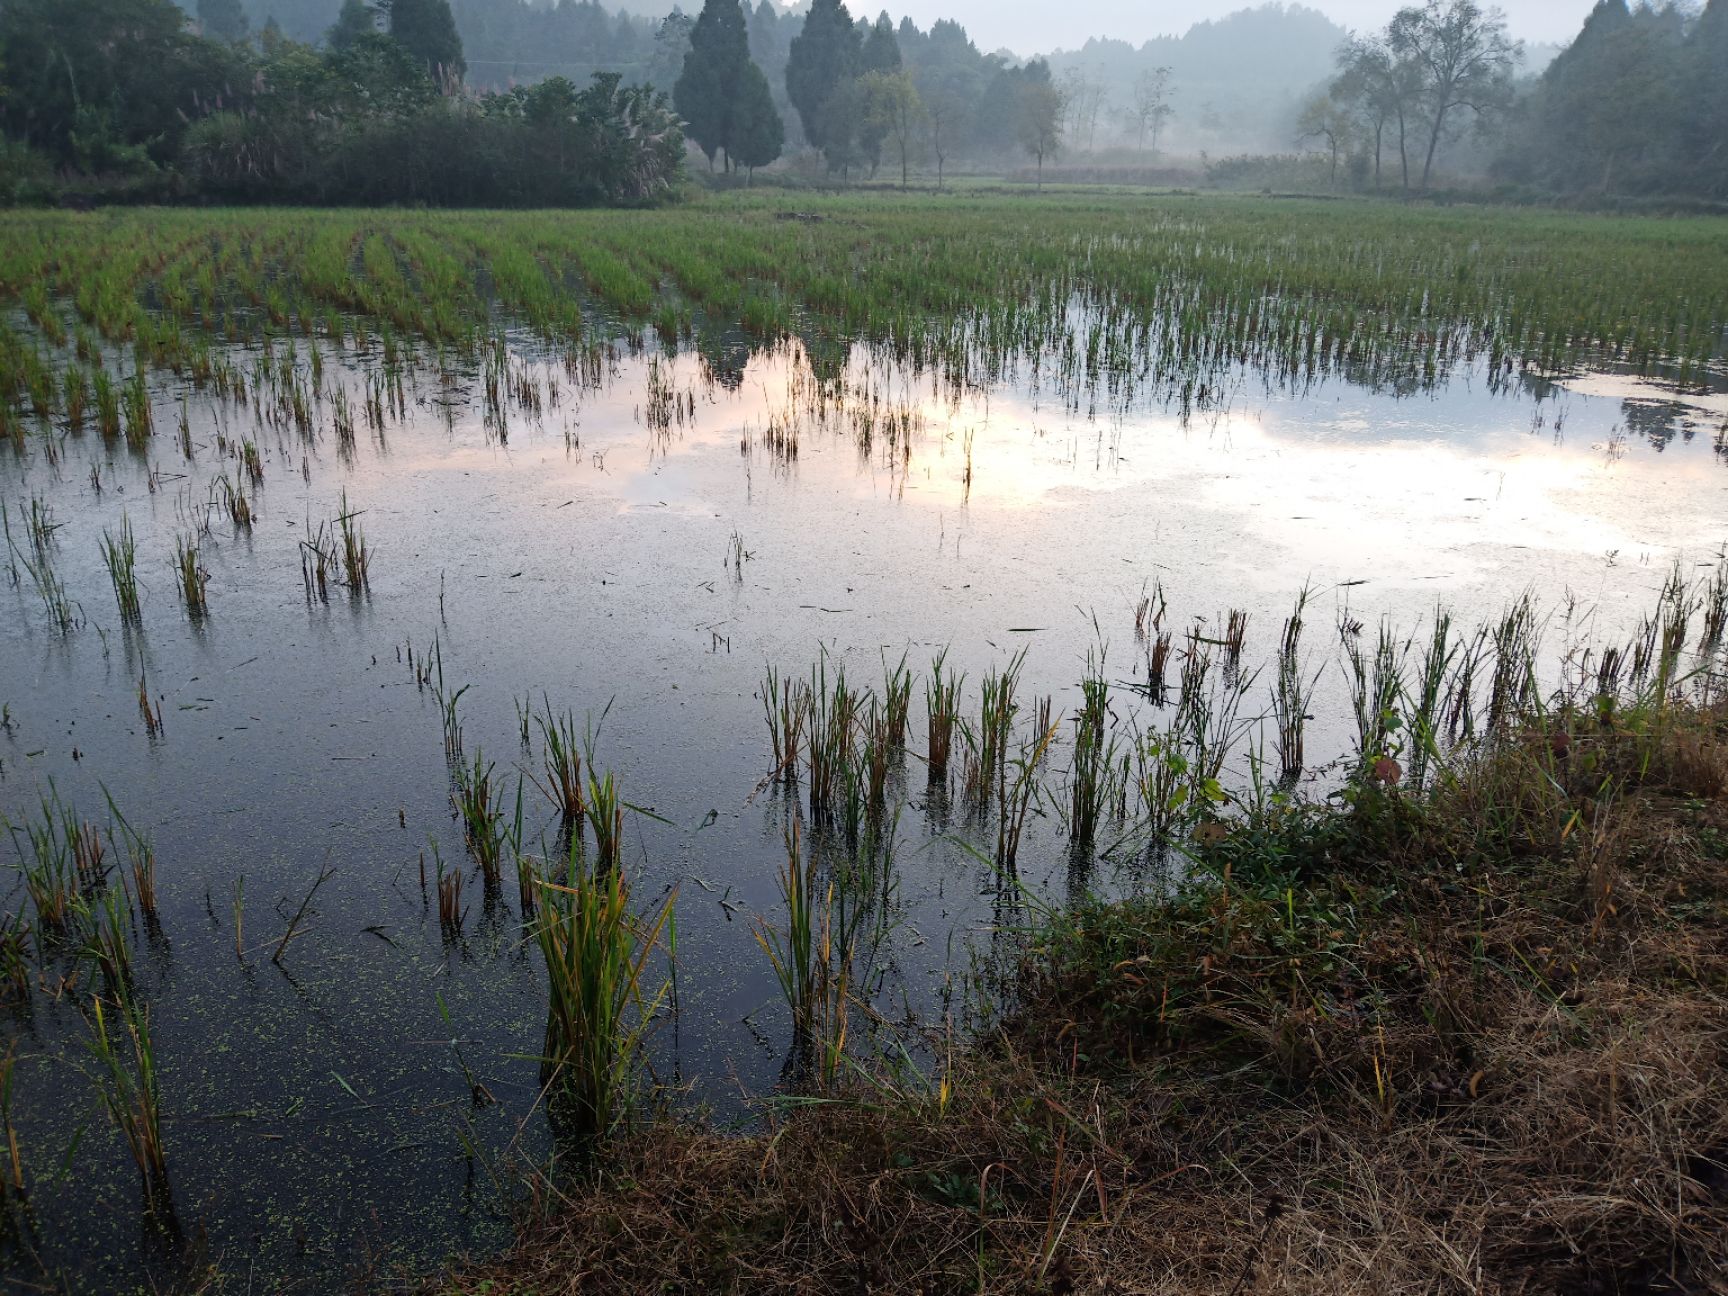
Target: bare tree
<point>1328,121</point>
<point>1098,94</point>
<point>1151,105</point>
<point>1465,60</point>
<point>1042,110</point>
<point>947,106</point>
<point>1382,91</point>
<point>1083,99</point>
<point>892,105</point>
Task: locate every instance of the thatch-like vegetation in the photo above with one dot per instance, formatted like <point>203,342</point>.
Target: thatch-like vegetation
<point>1466,1040</point>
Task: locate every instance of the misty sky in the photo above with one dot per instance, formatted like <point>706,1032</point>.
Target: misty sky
<point>1038,26</point>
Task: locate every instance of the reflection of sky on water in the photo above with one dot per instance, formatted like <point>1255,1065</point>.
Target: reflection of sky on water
<point>586,559</point>
<point>1336,477</point>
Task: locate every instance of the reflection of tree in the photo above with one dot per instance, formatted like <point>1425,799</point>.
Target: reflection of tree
<point>1385,377</point>
<point>827,353</point>
<point>1655,421</point>
<point>1537,385</point>
<point>727,349</point>
<point>727,352</point>
<point>1160,366</point>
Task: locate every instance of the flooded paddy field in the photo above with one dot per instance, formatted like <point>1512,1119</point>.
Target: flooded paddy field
<point>377,584</point>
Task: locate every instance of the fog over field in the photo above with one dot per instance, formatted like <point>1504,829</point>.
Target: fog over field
<point>1029,28</point>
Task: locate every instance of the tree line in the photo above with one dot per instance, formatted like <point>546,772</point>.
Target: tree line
<point>145,99</point>
<point>1636,104</point>
<point>126,98</point>
<point>857,92</point>
<point>389,102</point>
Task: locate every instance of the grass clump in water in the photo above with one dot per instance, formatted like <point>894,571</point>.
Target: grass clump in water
<point>190,578</point>
<point>602,997</point>
<point>128,1084</point>
<point>356,554</point>
<point>561,762</point>
<point>120,557</point>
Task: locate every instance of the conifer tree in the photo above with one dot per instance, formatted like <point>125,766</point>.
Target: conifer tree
<point>824,62</point>
<point>223,20</point>
<point>880,50</point>
<point>879,57</point>
<point>427,30</point>
<point>1707,59</point>
<point>761,134</point>
<point>722,95</point>
<point>357,19</point>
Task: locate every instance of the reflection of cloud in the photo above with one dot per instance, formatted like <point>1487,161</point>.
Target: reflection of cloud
<point>1424,505</point>
<point>1630,388</point>
<point>1338,477</point>
<point>1410,507</point>
<point>1437,489</point>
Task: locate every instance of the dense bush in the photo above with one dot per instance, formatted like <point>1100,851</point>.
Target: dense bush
<point>1637,104</point>
<point>1284,171</point>
<point>551,144</point>
<point>366,121</point>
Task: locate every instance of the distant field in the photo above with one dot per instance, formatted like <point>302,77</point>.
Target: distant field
<point>1180,283</point>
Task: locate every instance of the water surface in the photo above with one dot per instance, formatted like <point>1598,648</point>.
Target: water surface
<point>638,550</point>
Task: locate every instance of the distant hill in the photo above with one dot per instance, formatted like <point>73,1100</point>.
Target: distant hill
<point>1234,81</point>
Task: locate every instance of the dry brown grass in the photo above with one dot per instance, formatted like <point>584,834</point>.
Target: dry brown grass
<point>1471,1043</point>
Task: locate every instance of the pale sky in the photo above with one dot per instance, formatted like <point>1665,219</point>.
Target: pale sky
<point>1029,27</point>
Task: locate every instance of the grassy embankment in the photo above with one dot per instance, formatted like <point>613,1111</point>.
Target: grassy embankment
<point>1467,1040</point>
